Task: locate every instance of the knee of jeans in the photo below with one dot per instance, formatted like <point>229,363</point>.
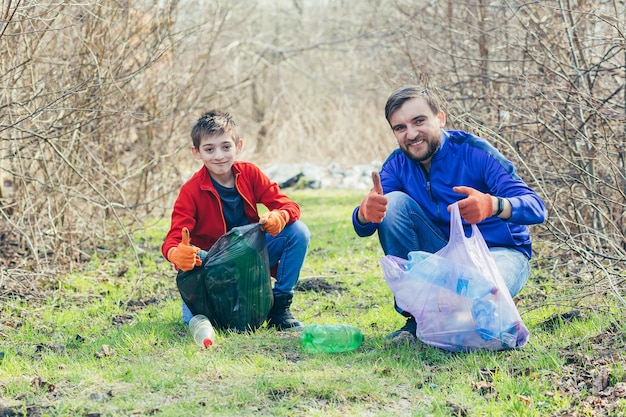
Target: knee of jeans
<point>399,205</point>
<point>513,267</point>
<point>301,232</point>
<point>397,198</point>
<point>516,286</point>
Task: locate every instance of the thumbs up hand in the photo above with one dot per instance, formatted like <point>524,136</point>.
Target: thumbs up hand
<point>476,207</point>
<point>374,206</point>
<point>185,256</point>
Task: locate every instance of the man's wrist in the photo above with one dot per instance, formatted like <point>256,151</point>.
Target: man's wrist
<point>499,206</point>
<point>359,218</point>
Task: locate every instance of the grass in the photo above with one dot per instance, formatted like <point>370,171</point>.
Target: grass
<point>109,342</point>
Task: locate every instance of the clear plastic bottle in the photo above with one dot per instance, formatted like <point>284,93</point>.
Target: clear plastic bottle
<point>474,285</point>
<point>435,269</point>
<point>486,318</point>
<point>202,330</point>
<point>330,338</point>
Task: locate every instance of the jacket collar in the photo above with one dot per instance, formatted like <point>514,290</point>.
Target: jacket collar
<point>205,178</point>
<point>443,148</point>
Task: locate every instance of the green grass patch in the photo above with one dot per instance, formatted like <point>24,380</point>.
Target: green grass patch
<point>109,341</point>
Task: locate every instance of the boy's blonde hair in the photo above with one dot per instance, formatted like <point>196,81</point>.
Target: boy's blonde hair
<point>214,123</point>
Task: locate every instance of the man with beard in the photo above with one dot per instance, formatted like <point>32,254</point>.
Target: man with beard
<point>434,168</point>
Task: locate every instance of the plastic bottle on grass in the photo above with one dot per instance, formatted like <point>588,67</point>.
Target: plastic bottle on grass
<point>317,338</point>
<point>202,330</point>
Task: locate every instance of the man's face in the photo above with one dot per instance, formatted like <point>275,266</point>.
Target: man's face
<point>417,129</point>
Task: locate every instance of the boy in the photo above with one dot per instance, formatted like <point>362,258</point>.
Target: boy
<point>224,194</point>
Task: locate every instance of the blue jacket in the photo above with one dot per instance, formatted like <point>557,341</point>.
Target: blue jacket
<point>464,159</point>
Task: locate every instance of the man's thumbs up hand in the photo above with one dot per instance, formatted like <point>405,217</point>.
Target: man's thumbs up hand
<point>374,206</point>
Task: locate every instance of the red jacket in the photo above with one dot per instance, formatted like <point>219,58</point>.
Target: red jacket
<point>198,206</point>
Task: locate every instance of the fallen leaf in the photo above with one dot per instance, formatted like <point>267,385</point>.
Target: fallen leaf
<point>483,387</point>
<point>601,381</point>
<point>620,390</point>
<point>524,399</point>
<point>39,383</point>
<point>105,351</point>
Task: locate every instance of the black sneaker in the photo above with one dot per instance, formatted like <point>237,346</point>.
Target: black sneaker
<point>406,332</point>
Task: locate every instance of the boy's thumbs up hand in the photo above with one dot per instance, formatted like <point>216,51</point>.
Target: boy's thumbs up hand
<point>374,206</point>
<point>186,237</point>
<point>184,256</point>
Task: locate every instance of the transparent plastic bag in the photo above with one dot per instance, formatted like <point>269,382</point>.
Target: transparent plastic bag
<point>457,295</point>
<point>232,288</point>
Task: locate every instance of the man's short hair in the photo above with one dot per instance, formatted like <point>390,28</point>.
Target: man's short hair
<point>409,92</point>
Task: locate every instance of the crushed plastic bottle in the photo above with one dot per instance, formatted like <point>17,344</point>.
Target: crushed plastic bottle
<point>317,338</point>
<point>202,330</point>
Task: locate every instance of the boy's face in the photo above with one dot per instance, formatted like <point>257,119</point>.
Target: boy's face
<point>218,155</point>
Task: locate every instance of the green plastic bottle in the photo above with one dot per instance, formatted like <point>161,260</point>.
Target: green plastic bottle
<point>317,338</point>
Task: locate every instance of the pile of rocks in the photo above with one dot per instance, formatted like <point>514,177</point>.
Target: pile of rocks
<point>306,175</point>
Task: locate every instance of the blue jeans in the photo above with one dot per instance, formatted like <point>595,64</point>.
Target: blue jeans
<point>289,247</point>
<point>406,228</point>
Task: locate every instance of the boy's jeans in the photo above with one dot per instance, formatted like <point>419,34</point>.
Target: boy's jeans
<point>289,247</point>
<point>406,228</point>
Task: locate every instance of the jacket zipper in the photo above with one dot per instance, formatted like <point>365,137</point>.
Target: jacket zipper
<point>430,191</point>
<point>241,194</point>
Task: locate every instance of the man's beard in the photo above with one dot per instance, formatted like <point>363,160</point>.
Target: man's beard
<point>433,145</point>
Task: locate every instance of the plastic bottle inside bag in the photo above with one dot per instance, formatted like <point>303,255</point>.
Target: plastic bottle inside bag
<point>415,257</point>
<point>473,284</point>
<point>490,325</point>
<point>435,269</point>
<point>449,319</point>
<point>431,268</point>
<point>487,321</point>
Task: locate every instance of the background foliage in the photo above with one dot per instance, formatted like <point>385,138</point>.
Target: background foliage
<point>97,99</point>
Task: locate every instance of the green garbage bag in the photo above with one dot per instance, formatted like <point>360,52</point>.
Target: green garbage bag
<point>232,287</point>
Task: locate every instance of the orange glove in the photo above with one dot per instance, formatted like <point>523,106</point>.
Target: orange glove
<point>374,206</point>
<point>185,256</point>
<point>274,221</point>
<point>476,207</point>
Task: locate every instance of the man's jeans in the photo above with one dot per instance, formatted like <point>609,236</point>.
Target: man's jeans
<point>289,247</point>
<point>406,228</point>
